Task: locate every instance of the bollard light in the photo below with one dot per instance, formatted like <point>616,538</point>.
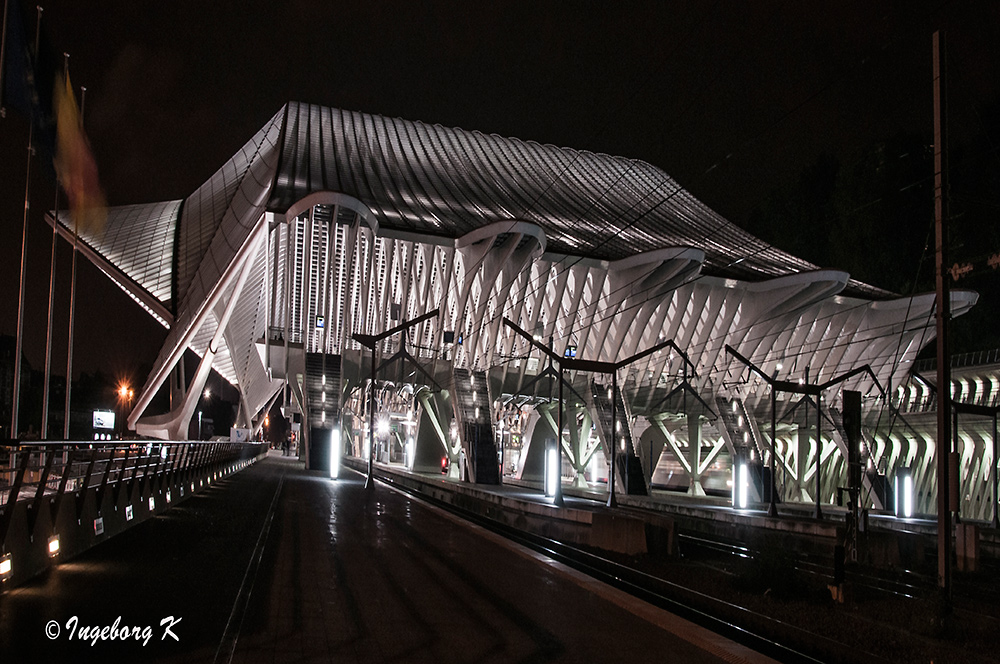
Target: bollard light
<point>53,546</point>
<point>904,493</point>
<point>551,469</point>
<point>740,482</point>
<point>334,453</point>
<point>6,567</point>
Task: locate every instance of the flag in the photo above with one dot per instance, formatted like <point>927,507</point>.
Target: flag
<point>33,87</point>
<point>28,78</point>
<point>15,92</point>
<point>74,161</point>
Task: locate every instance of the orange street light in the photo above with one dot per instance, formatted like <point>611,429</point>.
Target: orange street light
<point>125,397</point>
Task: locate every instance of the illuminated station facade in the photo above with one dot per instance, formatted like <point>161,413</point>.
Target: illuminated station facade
<point>330,228</point>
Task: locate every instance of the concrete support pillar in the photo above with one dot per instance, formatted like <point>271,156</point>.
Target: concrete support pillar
<point>694,454</point>
<point>433,437</point>
<point>539,429</point>
<point>803,445</point>
<point>579,438</point>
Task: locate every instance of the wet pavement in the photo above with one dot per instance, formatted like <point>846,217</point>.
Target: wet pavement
<point>279,564</point>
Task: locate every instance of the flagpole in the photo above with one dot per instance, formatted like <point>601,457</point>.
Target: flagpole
<point>72,296</point>
<point>47,382</point>
<point>24,253</point>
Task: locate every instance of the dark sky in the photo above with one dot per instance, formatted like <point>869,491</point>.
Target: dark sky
<point>731,98</point>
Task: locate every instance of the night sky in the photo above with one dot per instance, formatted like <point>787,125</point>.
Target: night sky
<point>732,99</point>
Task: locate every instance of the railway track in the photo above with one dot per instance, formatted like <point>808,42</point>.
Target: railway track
<point>907,584</point>
<point>764,634</point>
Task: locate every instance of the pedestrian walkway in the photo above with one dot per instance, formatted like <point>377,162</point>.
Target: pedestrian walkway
<point>279,564</point>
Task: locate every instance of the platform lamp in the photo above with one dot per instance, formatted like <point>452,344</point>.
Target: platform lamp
<point>335,452</point>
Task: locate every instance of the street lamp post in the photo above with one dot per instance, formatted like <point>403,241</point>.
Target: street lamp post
<point>575,364</point>
<point>370,341</point>
<point>207,394</point>
<point>125,399</point>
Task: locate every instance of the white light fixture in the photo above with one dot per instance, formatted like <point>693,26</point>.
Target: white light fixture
<point>128,512</point>
<point>409,453</point>
<point>740,483</point>
<point>53,546</point>
<point>152,504</point>
<point>334,453</point>
<point>168,496</point>
<point>551,470</point>
<point>6,567</point>
<point>908,496</point>
<point>904,493</point>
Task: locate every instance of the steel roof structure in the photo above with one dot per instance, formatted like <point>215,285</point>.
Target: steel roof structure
<point>363,221</point>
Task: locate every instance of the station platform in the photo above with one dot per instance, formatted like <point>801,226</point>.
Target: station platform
<point>640,523</point>
<point>279,564</point>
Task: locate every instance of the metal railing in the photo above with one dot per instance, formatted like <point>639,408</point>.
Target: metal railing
<point>38,471</point>
<point>961,360</point>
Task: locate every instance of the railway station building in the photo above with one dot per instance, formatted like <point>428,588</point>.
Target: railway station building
<point>498,262</point>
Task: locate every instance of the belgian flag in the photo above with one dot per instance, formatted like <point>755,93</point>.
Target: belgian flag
<point>35,86</point>
<point>74,162</point>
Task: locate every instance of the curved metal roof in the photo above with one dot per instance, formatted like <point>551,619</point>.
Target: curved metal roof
<point>448,182</point>
<point>412,183</point>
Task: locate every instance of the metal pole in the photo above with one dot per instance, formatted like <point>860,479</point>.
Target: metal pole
<point>955,491</point>
<point>47,379</point>
<point>612,500</point>
<point>24,254</point>
<point>772,507</point>
<point>370,481</point>
<point>819,451</point>
<point>996,498</point>
<point>557,499</point>
<point>943,310</point>
<point>72,300</point>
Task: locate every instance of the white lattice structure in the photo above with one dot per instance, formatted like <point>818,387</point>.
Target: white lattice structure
<point>330,223</point>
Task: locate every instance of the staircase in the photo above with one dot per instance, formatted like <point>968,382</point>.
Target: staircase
<point>474,414</point>
<point>322,390</point>
<point>628,466</point>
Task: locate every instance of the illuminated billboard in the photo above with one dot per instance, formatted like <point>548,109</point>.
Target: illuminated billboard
<point>104,419</point>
